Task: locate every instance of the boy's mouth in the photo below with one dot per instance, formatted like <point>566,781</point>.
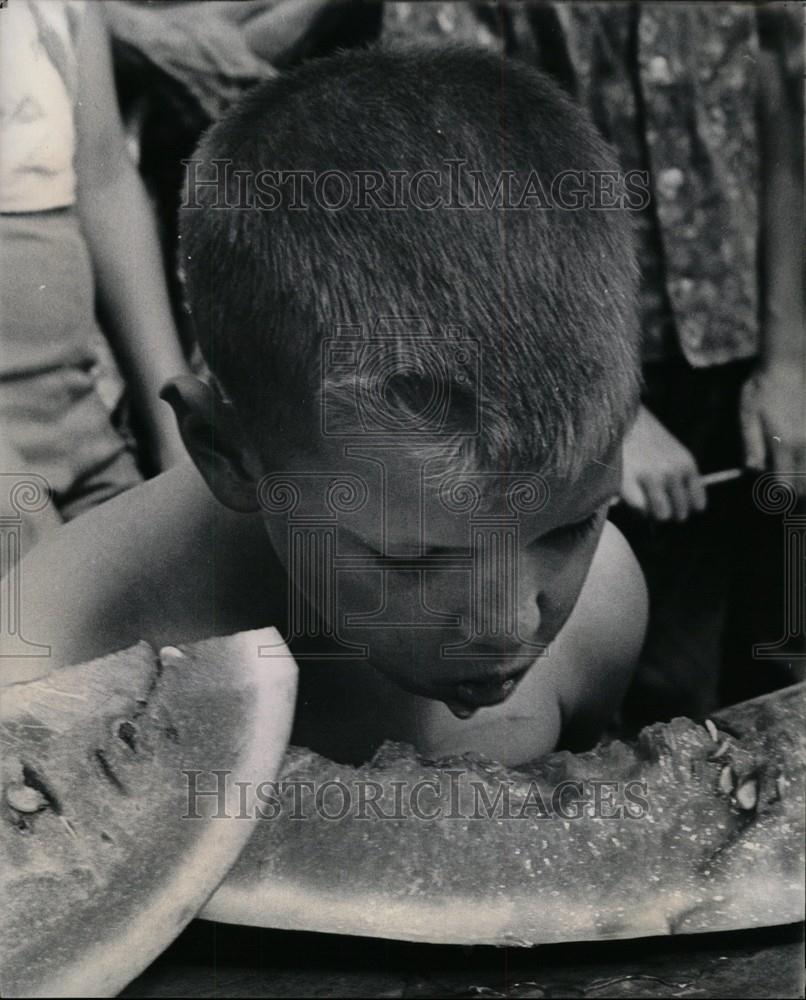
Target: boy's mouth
<point>469,696</point>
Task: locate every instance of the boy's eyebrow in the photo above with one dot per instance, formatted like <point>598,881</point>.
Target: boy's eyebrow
<point>604,465</point>
<point>604,497</point>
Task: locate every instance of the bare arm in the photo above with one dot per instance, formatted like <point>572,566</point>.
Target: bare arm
<point>118,224</point>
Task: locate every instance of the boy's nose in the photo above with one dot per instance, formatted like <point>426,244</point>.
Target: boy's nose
<point>529,611</point>
<point>508,622</point>
<point>506,597</point>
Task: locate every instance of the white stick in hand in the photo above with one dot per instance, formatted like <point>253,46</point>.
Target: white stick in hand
<point>725,476</point>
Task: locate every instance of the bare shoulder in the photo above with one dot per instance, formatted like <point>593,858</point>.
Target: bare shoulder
<point>601,641</point>
<point>134,567</point>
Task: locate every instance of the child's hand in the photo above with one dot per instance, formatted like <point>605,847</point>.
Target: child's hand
<point>660,477</point>
<point>773,413</point>
<point>285,30</point>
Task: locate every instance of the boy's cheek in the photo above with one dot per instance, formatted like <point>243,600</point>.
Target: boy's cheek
<point>564,585</point>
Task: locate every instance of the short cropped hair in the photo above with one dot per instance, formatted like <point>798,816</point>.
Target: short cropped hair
<point>543,295</point>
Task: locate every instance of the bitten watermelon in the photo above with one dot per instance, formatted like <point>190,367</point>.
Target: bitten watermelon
<point>699,827</point>
<point>100,867</point>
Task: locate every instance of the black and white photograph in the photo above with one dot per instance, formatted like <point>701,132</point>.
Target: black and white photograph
<point>402,498</point>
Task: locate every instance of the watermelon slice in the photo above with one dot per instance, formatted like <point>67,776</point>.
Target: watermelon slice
<point>101,866</point>
<point>710,838</point>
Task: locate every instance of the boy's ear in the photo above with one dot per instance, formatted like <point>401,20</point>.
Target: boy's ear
<point>215,440</point>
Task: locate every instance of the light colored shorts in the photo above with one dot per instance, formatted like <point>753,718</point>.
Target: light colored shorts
<point>56,399</point>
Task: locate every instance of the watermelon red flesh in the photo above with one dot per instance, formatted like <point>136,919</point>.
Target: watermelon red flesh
<point>703,858</point>
<point>99,880</point>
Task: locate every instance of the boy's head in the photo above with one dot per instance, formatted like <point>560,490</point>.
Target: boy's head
<point>398,276</point>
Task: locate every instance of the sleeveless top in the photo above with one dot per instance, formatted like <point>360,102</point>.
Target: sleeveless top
<point>38,76</point>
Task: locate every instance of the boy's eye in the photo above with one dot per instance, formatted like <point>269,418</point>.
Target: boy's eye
<point>568,534</point>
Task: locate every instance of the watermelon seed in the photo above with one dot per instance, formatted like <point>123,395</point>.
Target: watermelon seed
<point>34,780</point>
<point>126,731</point>
<point>747,794</point>
<point>726,780</point>
<point>24,799</point>
<point>171,653</point>
<point>142,703</point>
<point>109,774</point>
<point>712,730</point>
